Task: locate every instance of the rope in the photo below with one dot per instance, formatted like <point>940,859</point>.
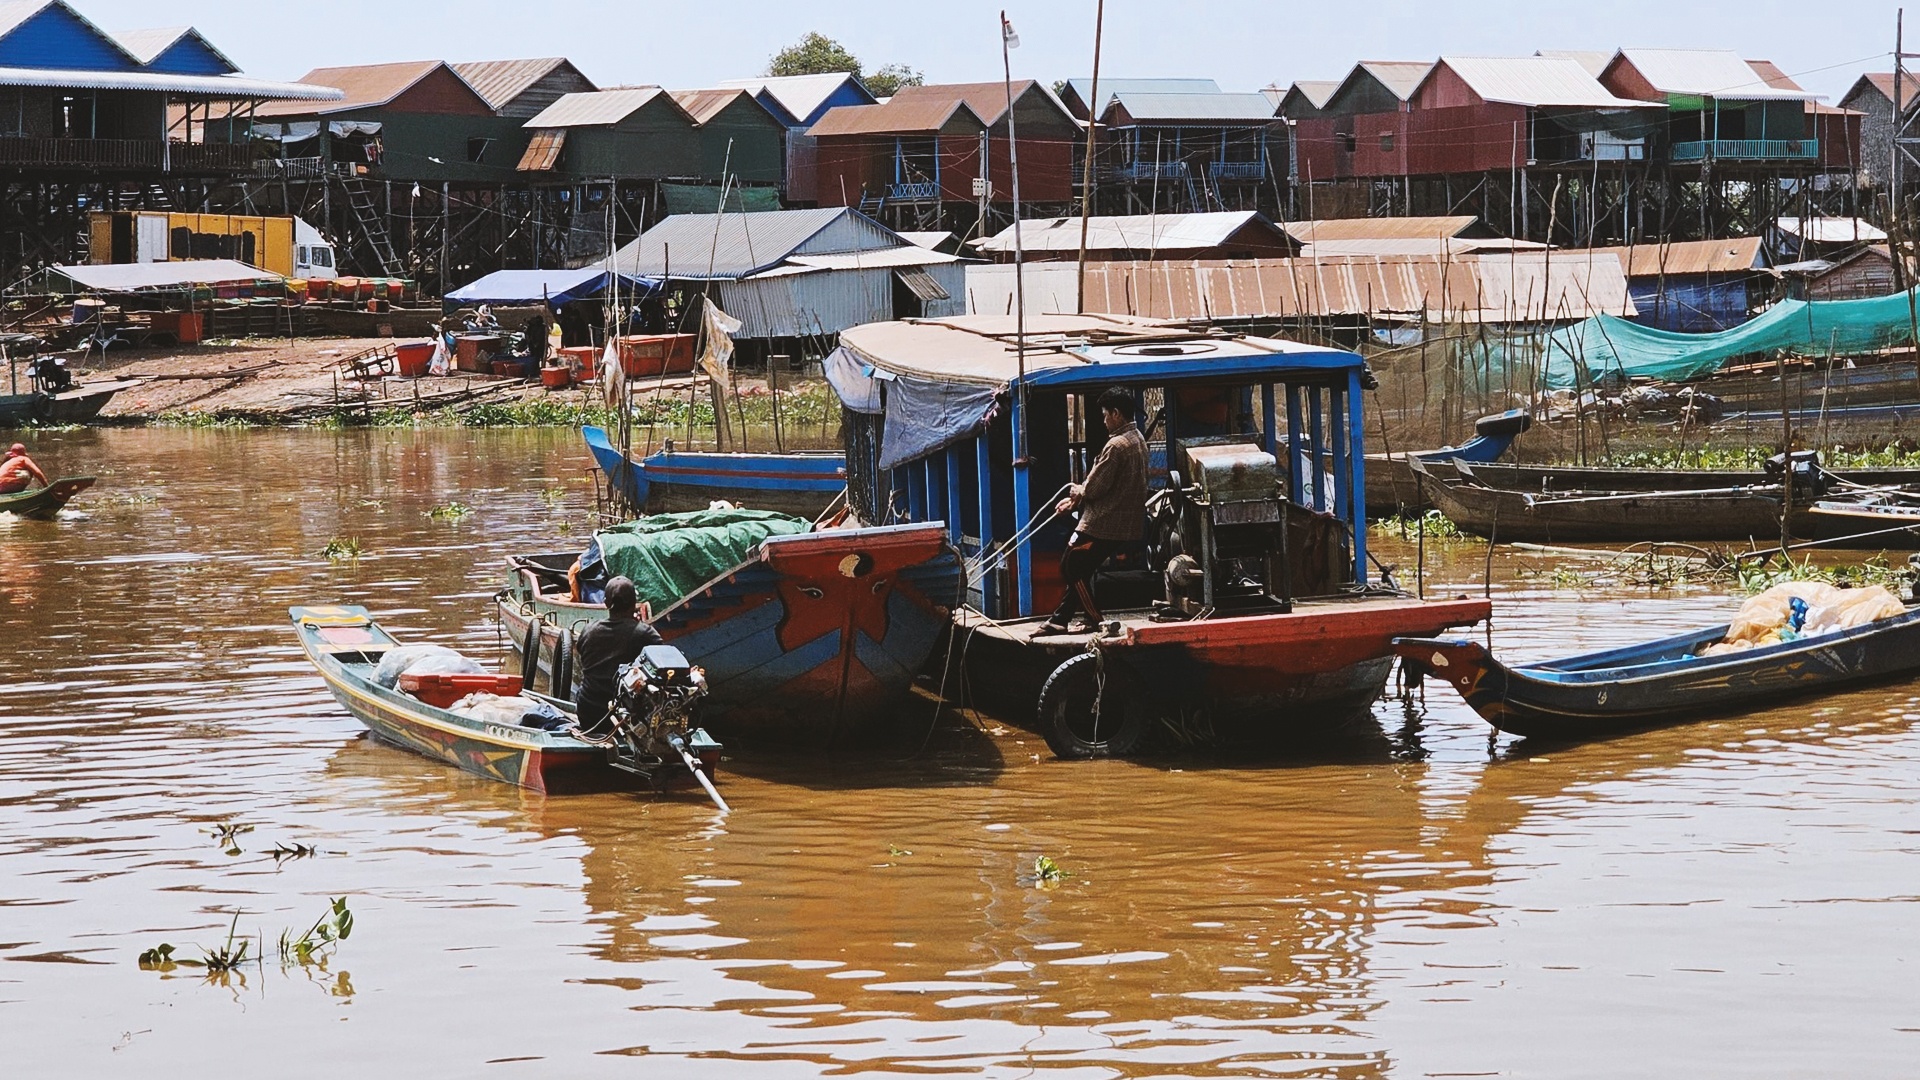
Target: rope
<point>992,558</point>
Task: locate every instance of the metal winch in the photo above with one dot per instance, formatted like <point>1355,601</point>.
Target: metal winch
<point>1221,528</point>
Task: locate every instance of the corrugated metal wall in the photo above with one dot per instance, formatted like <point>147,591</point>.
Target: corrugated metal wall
<point>799,305</point>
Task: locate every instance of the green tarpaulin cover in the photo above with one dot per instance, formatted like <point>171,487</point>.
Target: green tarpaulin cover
<point>668,556</point>
<point>1606,344</point>
<point>705,199</point>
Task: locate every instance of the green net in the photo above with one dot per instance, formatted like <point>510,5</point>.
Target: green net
<point>668,556</point>
<point>1607,345</point>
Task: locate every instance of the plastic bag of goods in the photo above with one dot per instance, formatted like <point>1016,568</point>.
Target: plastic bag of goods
<point>425,659</point>
<point>1762,617</point>
<point>1854,607</point>
<point>492,708</point>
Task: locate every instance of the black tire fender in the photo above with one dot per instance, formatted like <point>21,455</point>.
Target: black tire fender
<point>1082,684</point>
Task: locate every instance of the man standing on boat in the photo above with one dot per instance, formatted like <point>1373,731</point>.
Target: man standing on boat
<point>606,647</point>
<point>1112,506</point>
<point>17,471</point>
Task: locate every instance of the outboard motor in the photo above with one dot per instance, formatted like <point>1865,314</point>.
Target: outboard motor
<point>1801,469</point>
<point>653,716</point>
<point>50,374</point>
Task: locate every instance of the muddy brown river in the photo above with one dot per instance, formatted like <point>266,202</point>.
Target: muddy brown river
<point>1733,898</point>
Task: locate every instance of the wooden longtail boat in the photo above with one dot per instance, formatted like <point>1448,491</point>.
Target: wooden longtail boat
<point>346,645</point>
<point>1662,681</point>
<point>1736,513</point>
<point>74,406</point>
<point>44,503</point>
<point>1394,487</point>
<point>1548,478</point>
<point>803,483</point>
<point>1250,608</point>
<point>816,637</point>
<point>1868,523</point>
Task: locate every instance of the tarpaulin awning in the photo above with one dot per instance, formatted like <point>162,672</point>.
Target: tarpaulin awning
<point>854,382</point>
<point>533,286</point>
<point>1604,344</point>
<point>668,556</point>
<point>158,276</point>
<point>924,416</point>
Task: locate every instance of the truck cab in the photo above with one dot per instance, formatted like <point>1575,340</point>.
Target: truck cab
<point>313,256</point>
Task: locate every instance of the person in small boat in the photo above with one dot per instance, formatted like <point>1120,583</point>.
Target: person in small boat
<point>587,577</point>
<point>608,645</point>
<point>1112,508</point>
<point>18,472</point>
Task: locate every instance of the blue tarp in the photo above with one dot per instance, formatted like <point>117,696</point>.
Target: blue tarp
<point>532,286</point>
<point>924,416</point>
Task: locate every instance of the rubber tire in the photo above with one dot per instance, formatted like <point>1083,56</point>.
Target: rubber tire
<point>1072,682</point>
<point>530,656</point>
<point>561,684</point>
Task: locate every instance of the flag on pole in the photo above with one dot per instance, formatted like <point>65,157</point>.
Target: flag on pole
<point>1007,34</point>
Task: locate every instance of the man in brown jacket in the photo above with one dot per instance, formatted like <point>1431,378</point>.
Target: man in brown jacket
<point>1112,505</point>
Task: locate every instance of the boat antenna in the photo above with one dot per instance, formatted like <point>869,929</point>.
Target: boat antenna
<point>1010,41</point>
<point>1086,172</point>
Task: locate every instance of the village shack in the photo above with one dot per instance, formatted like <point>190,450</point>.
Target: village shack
<point>796,278</point>
<point>1693,286</point>
<point>798,102</point>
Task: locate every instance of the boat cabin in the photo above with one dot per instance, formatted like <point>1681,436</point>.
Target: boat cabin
<point>1256,469</point>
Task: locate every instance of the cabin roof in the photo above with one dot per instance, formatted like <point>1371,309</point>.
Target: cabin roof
<point>1076,350</point>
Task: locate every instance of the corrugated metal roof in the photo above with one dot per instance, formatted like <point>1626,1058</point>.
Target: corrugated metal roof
<point>1400,77</point>
<point>1131,232</point>
<point>148,43</point>
<point>800,95</point>
<point>363,86</point>
<point>699,246</point>
<point>704,105</point>
<point>1883,82</point>
<point>1685,258</point>
<point>894,118</point>
<point>17,12</point>
<point>1191,108</point>
<point>1771,74</point>
<point>133,277</point>
<point>543,151</point>
<point>597,109</point>
<point>911,255</point>
<point>1709,73</point>
<point>929,240</point>
<point>1536,82</point>
<point>1594,61</point>
<point>987,100</point>
<point>1317,91</point>
<point>1109,88</point>
<point>211,87</point>
<point>1387,228</point>
<point>500,81</point>
<point>1491,289</point>
<point>1827,230</point>
<point>1425,245</point>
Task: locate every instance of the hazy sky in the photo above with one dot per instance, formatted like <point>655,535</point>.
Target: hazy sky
<point>1244,44</point>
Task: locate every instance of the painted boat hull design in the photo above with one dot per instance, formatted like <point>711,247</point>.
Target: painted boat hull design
<point>44,503</point>
<point>802,484</point>
<point>815,638</point>
<point>345,646</point>
<point>1323,662</point>
<point>1661,682</point>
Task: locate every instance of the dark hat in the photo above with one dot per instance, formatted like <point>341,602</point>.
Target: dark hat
<point>621,595</point>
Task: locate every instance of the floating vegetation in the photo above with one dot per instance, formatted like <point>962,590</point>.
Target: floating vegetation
<point>453,511</point>
<point>1758,577</point>
<point>1047,873</point>
<point>565,527</point>
<point>553,496</point>
<point>897,852</point>
<point>235,952</point>
<point>197,418</point>
<point>226,835</point>
<point>321,939</point>
<point>342,547</point>
<point>284,852</point>
<point>1436,524</point>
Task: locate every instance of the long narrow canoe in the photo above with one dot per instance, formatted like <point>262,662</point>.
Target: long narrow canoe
<point>346,645</point>
<point>1663,681</point>
<point>45,502</point>
<point>1617,516</point>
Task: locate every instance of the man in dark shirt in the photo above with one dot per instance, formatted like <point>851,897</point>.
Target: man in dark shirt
<point>1112,507</point>
<point>605,647</point>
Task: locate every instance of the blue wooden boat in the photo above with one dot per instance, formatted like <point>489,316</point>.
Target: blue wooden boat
<point>1393,485</point>
<point>814,638</point>
<point>803,483</point>
<point>345,646</point>
<point>1663,681</point>
<point>1251,607</point>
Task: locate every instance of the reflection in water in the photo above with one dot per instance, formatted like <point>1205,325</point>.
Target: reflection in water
<point>1731,895</point>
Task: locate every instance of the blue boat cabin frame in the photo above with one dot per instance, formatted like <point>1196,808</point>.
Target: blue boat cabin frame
<point>1305,408</point>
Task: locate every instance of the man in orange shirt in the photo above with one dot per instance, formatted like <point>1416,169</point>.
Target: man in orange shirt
<point>18,472</point>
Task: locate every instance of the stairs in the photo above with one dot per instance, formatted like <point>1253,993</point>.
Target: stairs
<point>372,231</point>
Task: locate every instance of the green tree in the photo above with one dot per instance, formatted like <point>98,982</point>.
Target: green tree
<point>888,80</point>
<point>815,54</point>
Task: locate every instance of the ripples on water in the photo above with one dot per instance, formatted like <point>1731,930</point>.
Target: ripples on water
<point>1728,898</point>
